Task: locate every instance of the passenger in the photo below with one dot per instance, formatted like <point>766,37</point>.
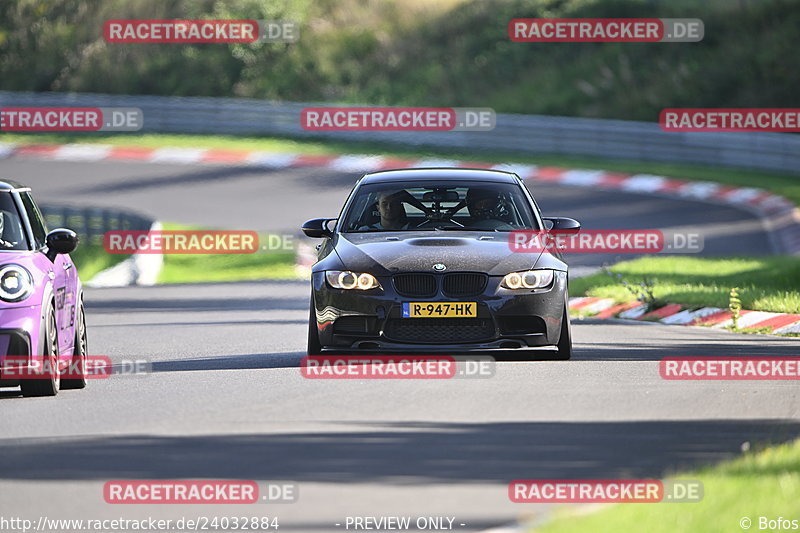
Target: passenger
<point>484,206</point>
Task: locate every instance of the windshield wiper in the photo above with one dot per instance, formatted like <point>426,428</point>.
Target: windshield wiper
<point>463,228</point>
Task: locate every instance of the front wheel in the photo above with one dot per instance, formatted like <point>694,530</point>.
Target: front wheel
<point>77,367</point>
<point>565,341</point>
<point>314,346</point>
<point>50,385</point>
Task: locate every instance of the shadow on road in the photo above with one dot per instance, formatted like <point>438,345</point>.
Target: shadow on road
<point>401,452</point>
<point>203,323</point>
<point>231,362</point>
<point>133,305</point>
<point>188,176</point>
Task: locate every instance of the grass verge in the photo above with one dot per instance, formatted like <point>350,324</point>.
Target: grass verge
<point>204,268</point>
<point>201,268</point>
<point>765,284</point>
<point>784,185</point>
<point>762,484</point>
<point>90,259</point>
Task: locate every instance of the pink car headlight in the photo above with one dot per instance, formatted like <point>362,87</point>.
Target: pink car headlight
<point>16,283</point>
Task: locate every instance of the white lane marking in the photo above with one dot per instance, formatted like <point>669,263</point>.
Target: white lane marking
<point>743,195</point>
<point>523,171</point>
<point>643,183</point>
<point>699,189</point>
<point>748,319</point>
<point>692,315</point>
<point>437,163</point>
<point>177,155</point>
<point>576,300</point>
<point>582,178</point>
<point>82,152</point>
<point>789,328</point>
<point>271,159</point>
<point>686,316</point>
<point>598,306</point>
<point>357,163</point>
<point>634,312</point>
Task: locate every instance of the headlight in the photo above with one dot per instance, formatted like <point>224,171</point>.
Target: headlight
<point>16,283</point>
<point>344,279</point>
<point>530,279</point>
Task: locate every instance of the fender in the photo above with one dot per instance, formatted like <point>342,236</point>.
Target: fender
<point>47,297</point>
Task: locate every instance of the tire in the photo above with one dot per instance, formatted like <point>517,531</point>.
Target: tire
<point>78,353</point>
<point>314,347</point>
<point>49,386</point>
<point>565,340</point>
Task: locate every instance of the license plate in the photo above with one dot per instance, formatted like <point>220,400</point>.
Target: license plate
<point>440,310</point>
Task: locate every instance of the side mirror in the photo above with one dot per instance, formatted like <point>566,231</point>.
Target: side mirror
<point>318,228</point>
<point>562,224</point>
<point>61,241</point>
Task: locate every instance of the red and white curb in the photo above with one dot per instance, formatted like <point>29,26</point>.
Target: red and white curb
<point>780,215</point>
<point>686,316</point>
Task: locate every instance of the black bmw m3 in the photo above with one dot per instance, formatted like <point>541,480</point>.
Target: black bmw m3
<point>419,261</point>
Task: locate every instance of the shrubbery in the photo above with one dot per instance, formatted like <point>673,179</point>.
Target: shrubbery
<point>415,52</point>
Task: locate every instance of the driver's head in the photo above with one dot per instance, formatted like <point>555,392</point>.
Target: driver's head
<point>390,207</point>
<point>483,204</point>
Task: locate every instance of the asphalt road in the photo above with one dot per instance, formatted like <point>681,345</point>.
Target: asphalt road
<point>226,399</point>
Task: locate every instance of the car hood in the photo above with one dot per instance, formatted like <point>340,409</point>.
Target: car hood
<point>385,253</point>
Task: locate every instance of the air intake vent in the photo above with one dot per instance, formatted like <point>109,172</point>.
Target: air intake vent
<point>439,330</point>
<point>415,285</point>
<point>460,284</point>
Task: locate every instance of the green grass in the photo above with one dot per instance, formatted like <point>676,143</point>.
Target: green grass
<point>196,268</point>
<point>766,483</point>
<point>202,268</point>
<point>90,259</point>
<point>787,186</point>
<point>766,284</point>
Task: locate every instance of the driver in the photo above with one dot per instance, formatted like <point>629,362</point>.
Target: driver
<point>485,206</point>
<point>392,211</point>
<point>4,243</point>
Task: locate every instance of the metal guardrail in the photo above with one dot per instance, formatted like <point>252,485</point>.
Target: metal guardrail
<point>523,134</point>
<point>90,223</point>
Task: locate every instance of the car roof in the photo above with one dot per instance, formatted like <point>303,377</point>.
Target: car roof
<point>440,174</point>
<point>10,185</point>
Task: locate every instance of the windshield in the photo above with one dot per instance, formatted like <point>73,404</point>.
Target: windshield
<point>481,206</point>
<point>11,234</point>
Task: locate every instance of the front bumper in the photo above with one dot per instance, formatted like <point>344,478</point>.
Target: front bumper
<point>371,321</point>
<point>19,334</point>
